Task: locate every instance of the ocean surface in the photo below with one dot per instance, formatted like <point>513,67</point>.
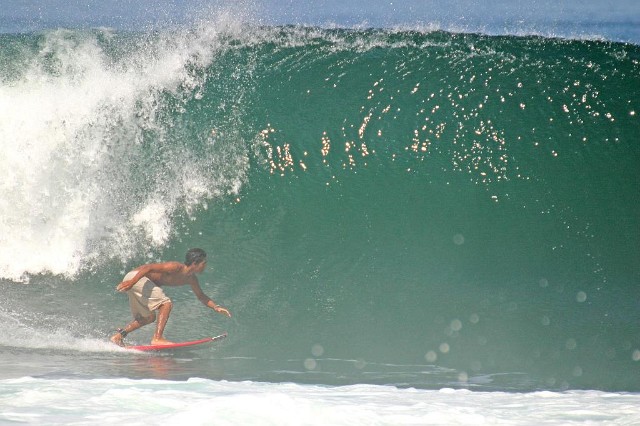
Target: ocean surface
<point>408,226</point>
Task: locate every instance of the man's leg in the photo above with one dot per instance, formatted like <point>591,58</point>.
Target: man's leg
<point>163,315</point>
<point>138,322</point>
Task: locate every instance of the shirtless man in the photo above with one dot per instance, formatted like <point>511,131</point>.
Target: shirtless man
<point>143,286</point>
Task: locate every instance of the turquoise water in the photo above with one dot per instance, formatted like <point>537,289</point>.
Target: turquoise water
<point>407,209</point>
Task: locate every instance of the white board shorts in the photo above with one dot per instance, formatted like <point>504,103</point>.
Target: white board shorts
<point>144,296</point>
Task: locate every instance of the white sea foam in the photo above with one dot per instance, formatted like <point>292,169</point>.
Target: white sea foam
<point>206,402</point>
<point>74,128</point>
<point>32,331</point>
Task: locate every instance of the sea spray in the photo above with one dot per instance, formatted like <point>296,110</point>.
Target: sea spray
<point>93,156</point>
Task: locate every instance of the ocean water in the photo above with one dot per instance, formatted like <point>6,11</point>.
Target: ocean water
<point>408,226</point>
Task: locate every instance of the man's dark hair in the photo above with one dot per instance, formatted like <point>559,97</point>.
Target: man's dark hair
<point>195,255</point>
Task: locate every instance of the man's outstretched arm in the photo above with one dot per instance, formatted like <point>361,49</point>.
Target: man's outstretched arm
<point>195,286</point>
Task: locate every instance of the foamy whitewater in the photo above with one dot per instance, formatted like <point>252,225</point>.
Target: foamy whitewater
<point>206,402</point>
<point>410,226</point>
<point>73,131</point>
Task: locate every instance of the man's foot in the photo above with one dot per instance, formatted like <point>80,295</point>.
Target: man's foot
<point>117,339</point>
<point>161,341</point>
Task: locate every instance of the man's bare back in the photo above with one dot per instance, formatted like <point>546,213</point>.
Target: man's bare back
<point>175,275</point>
<point>171,274</point>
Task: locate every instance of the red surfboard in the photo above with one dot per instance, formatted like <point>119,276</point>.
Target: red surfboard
<point>176,345</point>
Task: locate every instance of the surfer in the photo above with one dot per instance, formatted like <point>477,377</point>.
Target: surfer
<point>144,285</point>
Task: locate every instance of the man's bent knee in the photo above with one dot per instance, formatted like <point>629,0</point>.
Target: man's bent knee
<point>146,320</point>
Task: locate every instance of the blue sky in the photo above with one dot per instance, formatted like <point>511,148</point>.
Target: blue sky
<point>613,17</point>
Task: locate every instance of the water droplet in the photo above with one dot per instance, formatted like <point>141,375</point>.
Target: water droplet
<point>456,325</point>
<point>431,356</point>
<point>310,364</point>
<point>581,296</point>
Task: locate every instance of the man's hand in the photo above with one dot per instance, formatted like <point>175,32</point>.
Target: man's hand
<point>223,311</point>
<point>125,285</point>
